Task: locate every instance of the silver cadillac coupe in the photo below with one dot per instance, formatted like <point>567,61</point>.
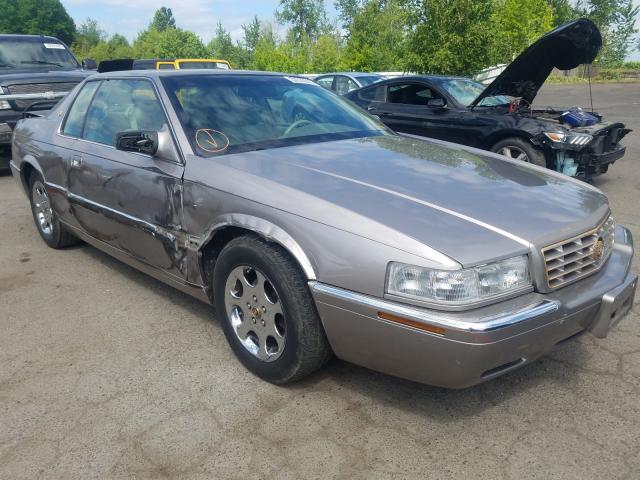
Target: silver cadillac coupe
<point>314,230</point>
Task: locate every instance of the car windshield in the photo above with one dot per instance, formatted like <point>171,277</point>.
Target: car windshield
<point>364,81</point>
<point>234,113</point>
<point>204,65</point>
<point>466,91</point>
<point>40,53</point>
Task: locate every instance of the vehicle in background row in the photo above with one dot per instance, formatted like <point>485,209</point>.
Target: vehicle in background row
<point>35,72</point>
<point>500,117</point>
<point>162,64</point>
<point>345,82</point>
<point>438,263</point>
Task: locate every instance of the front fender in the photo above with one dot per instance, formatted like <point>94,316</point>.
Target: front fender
<point>265,229</point>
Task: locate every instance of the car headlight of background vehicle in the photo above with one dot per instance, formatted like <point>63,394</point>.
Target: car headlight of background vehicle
<point>569,138</point>
<point>459,287</point>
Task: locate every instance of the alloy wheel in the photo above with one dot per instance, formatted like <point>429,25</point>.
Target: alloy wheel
<point>514,153</point>
<point>255,311</point>
<point>42,208</point>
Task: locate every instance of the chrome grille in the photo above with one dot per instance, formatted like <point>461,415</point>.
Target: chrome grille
<point>38,88</point>
<point>577,257</point>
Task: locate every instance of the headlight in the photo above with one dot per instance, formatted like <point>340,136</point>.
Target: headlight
<point>459,287</point>
<point>569,137</point>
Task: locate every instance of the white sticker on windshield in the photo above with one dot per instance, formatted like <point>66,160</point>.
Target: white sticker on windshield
<point>301,80</point>
<point>54,45</point>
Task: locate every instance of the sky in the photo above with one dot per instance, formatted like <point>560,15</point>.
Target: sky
<point>129,17</point>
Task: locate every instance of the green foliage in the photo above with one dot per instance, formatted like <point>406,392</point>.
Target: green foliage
<point>170,43</point>
<point>163,19</point>
<point>451,37</point>
<point>377,35</point>
<point>37,17</point>
<point>307,18</point>
<point>633,65</point>
<point>516,24</point>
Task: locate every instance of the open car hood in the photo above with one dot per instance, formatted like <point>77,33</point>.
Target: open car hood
<point>564,47</point>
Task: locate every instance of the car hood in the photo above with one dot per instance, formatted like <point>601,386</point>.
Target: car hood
<point>20,77</point>
<point>565,47</point>
<point>468,204</point>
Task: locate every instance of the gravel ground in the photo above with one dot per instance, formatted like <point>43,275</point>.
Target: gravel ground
<point>107,373</point>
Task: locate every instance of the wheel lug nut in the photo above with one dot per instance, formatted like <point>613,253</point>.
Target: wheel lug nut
<point>255,299</point>
<point>248,305</point>
<point>254,320</point>
<point>264,309</point>
<point>262,323</point>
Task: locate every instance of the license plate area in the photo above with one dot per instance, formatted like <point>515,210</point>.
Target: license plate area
<point>615,305</point>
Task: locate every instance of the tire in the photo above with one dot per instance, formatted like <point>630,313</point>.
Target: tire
<point>267,312</point>
<point>46,219</point>
<point>519,149</point>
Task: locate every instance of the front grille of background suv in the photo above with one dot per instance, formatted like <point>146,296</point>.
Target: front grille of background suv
<point>38,88</point>
<point>575,258</point>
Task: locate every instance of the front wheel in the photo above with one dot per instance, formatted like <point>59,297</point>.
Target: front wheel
<point>267,312</point>
<point>49,227</point>
<point>519,149</point>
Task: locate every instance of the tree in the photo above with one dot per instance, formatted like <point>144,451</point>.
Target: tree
<point>252,34</point>
<point>516,24</point>
<point>450,37</point>
<point>163,19</point>
<point>88,35</point>
<point>563,11</point>
<point>307,17</point>
<point>170,43</point>
<point>377,36</point>
<point>221,46</point>
<point>347,10</point>
<point>37,17</point>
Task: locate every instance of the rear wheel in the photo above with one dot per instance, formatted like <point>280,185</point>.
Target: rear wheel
<point>51,230</point>
<point>267,312</point>
<point>519,149</point>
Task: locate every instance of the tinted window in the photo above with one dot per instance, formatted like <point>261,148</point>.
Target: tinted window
<point>466,91</point>
<point>372,94</point>
<point>326,82</point>
<point>369,80</point>
<point>204,65</point>
<point>233,113</point>
<point>411,94</point>
<point>345,85</point>
<point>121,105</point>
<point>29,53</point>
<point>75,119</point>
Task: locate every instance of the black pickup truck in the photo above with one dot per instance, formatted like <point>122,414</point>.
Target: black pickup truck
<point>35,72</point>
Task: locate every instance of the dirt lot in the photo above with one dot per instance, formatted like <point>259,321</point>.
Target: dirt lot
<point>104,372</point>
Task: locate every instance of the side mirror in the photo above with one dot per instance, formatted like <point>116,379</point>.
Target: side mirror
<point>89,64</point>
<point>436,103</point>
<point>137,141</point>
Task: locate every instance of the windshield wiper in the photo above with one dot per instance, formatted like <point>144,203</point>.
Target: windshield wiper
<point>41,62</point>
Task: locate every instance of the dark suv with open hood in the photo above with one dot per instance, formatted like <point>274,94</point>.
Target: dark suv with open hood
<point>35,72</point>
<point>500,117</point>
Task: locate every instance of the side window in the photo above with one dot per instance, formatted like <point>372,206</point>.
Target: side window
<point>75,119</point>
<point>411,94</point>
<point>375,94</point>
<point>344,85</point>
<point>326,82</point>
<point>121,105</point>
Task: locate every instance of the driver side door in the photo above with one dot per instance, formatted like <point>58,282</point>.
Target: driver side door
<point>130,201</point>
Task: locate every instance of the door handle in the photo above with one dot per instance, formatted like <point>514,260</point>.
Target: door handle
<point>76,161</point>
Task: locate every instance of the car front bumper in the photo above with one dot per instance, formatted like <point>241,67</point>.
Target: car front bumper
<point>480,344</point>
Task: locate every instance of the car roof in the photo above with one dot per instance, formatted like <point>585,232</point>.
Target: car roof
<point>29,38</point>
<point>351,74</point>
<point>179,73</point>
<point>425,78</point>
